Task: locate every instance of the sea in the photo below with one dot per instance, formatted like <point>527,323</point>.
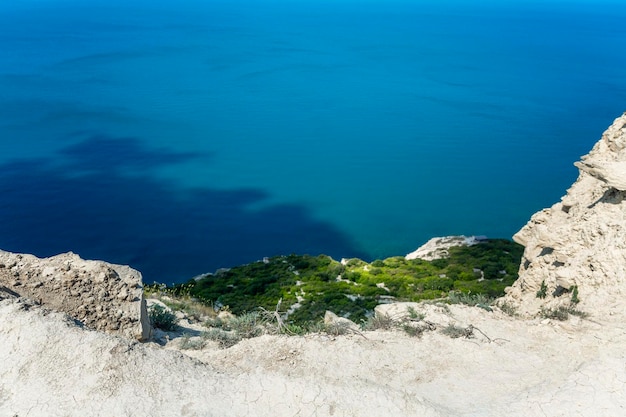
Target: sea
<point>179,137</point>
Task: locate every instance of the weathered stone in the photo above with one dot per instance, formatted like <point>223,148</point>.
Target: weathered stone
<point>81,289</point>
<point>580,241</point>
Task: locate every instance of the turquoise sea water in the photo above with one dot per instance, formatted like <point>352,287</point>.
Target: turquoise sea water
<point>179,137</point>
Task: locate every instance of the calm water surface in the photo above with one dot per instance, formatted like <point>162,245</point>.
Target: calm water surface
<point>179,137</point>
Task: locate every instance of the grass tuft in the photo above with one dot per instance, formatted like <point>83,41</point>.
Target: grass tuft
<point>379,322</point>
<point>454,331</point>
<point>508,309</point>
<point>562,313</point>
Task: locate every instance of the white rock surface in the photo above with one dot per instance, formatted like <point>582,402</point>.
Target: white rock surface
<point>580,241</point>
<point>100,295</point>
<point>50,367</point>
<point>437,247</point>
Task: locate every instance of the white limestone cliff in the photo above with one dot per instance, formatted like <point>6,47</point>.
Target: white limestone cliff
<point>580,242</point>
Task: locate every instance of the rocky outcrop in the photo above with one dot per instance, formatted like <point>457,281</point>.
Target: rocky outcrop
<point>575,251</point>
<point>437,247</point>
<point>99,295</point>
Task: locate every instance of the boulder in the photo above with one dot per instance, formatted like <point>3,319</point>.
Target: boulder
<point>98,294</point>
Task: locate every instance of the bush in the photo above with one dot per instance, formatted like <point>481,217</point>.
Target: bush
<point>559,313</point>
<point>574,290</point>
<point>247,325</point>
<point>413,331</point>
<point>189,343</point>
<point>479,300</point>
<point>542,292</point>
<point>223,338</point>
<point>162,318</point>
<point>262,284</point>
<point>562,313</point>
<point>508,309</point>
<point>455,331</point>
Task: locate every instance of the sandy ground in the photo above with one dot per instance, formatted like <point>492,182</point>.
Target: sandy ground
<point>51,367</point>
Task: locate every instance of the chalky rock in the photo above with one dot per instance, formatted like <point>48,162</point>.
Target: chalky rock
<point>575,251</point>
<point>98,294</point>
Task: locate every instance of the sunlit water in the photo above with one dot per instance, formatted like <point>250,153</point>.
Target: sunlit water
<point>179,137</point>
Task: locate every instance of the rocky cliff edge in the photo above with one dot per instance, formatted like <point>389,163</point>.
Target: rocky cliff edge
<point>98,294</point>
<point>575,251</point>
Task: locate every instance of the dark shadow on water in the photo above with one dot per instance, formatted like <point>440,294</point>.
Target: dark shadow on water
<point>99,199</point>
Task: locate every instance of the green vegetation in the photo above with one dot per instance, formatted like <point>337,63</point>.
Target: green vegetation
<point>509,309</point>
<point>353,288</point>
<point>454,331</point>
<point>542,292</point>
<point>473,300</point>
<point>574,291</point>
<point>562,313</point>
<point>162,318</point>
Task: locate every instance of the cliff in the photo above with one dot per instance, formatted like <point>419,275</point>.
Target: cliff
<point>575,251</point>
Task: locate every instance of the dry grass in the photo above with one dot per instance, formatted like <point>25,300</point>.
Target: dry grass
<point>193,308</point>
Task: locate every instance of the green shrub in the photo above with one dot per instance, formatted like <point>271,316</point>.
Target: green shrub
<point>414,315</point>
<point>508,309</point>
<point>561,313</point>
<point>262,284</point>
<point>455,331</point>
<point>224,338</point>
<point>247,325</point>
<point>574,291</point>
<point>543,290</point>
<point>187,343</point>
<point>574,312</point>
<point>162,318</point>
<point>469,299</point>
<point>413,331</point>
<point>379,322</point>
<point>338,328</point>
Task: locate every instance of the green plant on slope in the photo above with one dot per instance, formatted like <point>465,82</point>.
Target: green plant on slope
<point>478,300</point>
<point>351,289</point>
<point>379,322</point>
<point>224,338</point>
<point>508,309</point>
<point>574,290</point>
<point>248,325</point>
<point>454,331</point>
<point>162,318</point>
<point>562,313</point>
<point>414,315</point>
<point>543,290</point>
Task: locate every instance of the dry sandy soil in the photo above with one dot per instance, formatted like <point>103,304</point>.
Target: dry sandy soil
<point>51,367</point>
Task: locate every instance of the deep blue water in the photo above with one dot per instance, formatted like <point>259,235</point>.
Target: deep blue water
<point>179,137</point>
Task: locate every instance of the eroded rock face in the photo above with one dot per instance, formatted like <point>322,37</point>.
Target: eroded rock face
<point>100,295</point>
<point>581,241</point>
